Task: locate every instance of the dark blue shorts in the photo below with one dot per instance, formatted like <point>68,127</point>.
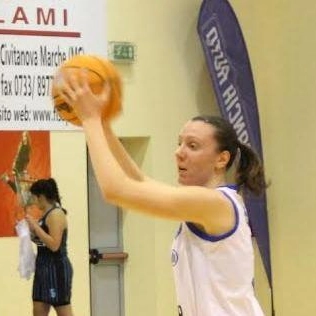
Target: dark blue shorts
<point>53,280</point>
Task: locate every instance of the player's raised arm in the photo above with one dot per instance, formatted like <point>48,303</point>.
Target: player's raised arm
<point>123,158</point>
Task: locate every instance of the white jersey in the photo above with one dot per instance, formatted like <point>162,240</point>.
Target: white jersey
<point>214,274</point>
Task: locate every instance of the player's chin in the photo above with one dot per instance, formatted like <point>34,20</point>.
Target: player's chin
<point>184,180</point>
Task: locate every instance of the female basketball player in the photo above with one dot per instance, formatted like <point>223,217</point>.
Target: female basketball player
<point>53,270</point>
<point>212,253</point>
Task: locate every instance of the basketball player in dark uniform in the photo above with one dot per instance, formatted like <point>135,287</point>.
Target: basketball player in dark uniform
<point>53,271</point>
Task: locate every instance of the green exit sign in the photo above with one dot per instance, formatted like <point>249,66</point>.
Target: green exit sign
<point>121,51</point>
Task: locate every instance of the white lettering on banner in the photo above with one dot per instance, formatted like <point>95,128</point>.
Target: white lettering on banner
<point>228,91</point>
<point>230,96</point>
<point>221,64</point>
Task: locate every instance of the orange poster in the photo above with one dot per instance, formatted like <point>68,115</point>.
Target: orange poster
<point>24,157</point>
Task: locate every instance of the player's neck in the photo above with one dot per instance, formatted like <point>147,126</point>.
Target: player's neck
<point>217,180</point>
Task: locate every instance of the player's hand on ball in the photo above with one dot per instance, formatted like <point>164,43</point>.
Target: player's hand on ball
<point>74,86</point>
<point>76,91</point>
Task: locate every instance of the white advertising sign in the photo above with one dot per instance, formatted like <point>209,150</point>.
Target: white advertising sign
<point>35,38</point>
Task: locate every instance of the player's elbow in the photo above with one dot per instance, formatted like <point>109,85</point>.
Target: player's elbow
<point>113,191</point>
<point>110,195</point>
<point>54,247</point>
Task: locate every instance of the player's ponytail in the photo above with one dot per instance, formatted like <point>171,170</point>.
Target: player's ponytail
<point>53,190</point>
<point>249,173</point>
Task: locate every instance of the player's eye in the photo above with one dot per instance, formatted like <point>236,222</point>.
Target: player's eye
<point>193,145</point>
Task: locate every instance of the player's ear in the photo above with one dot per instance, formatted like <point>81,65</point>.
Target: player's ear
<point>222,159</point>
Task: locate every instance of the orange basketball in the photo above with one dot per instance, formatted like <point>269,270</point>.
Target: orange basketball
<point>99,71</point>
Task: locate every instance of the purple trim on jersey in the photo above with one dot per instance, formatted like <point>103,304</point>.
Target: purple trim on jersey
<point>229,186</point>
<point>195,230</point>
<point>179,231</point>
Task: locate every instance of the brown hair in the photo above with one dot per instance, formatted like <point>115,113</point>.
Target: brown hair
<point>249,172</point>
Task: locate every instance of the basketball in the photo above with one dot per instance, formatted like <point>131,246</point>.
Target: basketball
<point>99,71</point>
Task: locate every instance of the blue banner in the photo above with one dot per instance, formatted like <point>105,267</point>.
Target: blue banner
<point>229,67</point>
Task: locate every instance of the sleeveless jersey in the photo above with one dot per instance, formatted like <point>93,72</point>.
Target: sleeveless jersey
<point>52,282</point>
<point>214,274</point>
<point>41,247</point>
